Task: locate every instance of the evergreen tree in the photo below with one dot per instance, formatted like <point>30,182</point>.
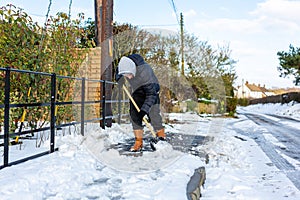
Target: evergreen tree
<point>290,63</point>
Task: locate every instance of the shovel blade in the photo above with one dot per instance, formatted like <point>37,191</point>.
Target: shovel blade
<point>153,141</point>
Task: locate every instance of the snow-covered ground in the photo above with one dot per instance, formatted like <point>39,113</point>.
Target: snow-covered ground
<point>291,109</point>
<point>83,168</point>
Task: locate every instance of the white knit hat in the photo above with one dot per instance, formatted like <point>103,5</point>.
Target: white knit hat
<point>126,66</point>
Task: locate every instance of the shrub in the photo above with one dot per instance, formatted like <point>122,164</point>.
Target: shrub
<point>52,49</point>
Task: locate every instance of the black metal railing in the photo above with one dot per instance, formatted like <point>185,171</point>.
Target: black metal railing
<point>7,106</point>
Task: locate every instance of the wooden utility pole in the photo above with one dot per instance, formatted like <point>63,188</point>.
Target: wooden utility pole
<point>103,30</point>
<point>182,44</point>
<point>98,12</point>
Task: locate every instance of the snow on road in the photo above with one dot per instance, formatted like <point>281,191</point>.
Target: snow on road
<point>83,168</point>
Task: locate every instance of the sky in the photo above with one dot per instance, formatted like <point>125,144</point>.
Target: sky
<point>254,30</point>
<point>82,168</point>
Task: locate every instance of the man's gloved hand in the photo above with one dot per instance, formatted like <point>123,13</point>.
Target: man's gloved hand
<point>120,79</point>
<point>142,114</point>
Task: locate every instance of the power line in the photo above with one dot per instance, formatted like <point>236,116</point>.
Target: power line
<point>142,25</point>
<point>180,23</point>
<point>36,15</point>
<point>48,11</point>
<point>174,9</point>
<point>70,7</point>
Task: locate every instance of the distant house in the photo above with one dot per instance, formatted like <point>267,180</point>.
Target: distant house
<point>252,91</point>
<point>277,91</point>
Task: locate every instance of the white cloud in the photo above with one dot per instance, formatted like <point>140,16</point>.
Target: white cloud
<point>256,39</point>
<point>273,17</point>
<point>279,9</point>
<point>282,15</point>
<point>226,25</point>
<point>190,13</point>
<point>224,9</point>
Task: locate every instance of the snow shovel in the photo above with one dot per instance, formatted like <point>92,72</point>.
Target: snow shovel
<point>153,139</point>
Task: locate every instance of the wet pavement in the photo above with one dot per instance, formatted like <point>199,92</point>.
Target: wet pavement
<point>287,144</point>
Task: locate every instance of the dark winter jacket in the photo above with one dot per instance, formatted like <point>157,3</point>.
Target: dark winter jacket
<point>145,84</point>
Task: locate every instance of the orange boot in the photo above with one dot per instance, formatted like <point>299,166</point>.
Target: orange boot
<point>138,145</point>
<point>161,134</point>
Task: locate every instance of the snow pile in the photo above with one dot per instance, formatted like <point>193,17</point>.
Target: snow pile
<point>74,173</point>
<point>99,141</point>
<point>291,109</point>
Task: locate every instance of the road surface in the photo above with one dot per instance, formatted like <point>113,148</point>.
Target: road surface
<point>279,150</point>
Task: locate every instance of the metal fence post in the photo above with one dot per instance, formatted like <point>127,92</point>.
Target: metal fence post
<point>6,115</point>
<point>119,103</point>
<point>82,105</point>
<point>103,104</point>
<point>53,114</point>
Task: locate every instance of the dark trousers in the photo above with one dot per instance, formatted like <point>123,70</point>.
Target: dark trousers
<point>154,115</point>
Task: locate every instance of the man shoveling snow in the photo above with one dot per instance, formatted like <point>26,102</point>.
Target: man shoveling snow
<point>145,94</point>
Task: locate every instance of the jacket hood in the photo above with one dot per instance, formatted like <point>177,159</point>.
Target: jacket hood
<point>137,59</point>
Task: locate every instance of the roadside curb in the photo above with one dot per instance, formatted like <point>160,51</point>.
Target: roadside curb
<point>193,189</point>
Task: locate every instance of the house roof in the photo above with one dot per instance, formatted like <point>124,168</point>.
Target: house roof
<point>256,88</point>
<point>285,90</point>
<point>253,87</point>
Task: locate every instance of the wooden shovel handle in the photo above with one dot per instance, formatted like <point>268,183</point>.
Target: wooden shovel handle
<point>138,109</point>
